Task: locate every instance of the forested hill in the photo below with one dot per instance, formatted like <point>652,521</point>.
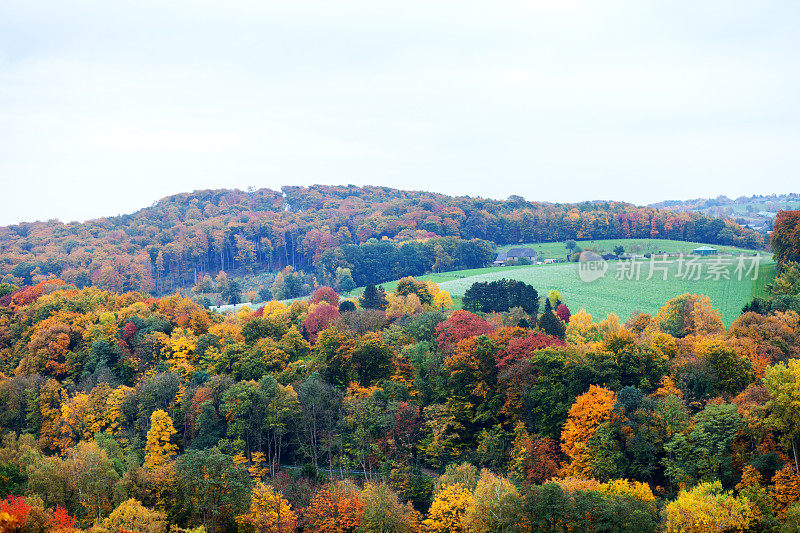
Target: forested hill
<point>186,236</point>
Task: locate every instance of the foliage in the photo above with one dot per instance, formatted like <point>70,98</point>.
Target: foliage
<point>269,511</point>
<point>448,510</point>
<point>336,508</point>
<point>215,487</point>
<point>158,448</point>
<point>383,512</point>
<point>501,295</point>
<point>373,298</point>
<point>459,326</point>
<point>131,515</point>
<point>495,506</point>
<point>586,415</point>
<point>118,404</point>
<point>785,237</point>
<point>707,507</point>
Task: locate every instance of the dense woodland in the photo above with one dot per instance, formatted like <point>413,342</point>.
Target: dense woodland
<point>316,230</point>
<point>394,413</point>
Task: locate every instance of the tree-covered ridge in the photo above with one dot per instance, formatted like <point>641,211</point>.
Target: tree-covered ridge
<point>182,238</point>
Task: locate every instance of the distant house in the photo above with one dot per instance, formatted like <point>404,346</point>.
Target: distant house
<point>705,250</point>
<point>515,253</point>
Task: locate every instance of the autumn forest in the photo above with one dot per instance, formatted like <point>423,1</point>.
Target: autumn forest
<point>129,403</point>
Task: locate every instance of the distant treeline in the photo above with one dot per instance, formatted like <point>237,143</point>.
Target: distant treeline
<point>185,237</point>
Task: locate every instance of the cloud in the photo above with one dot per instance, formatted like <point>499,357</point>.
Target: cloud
<point>105,108</point>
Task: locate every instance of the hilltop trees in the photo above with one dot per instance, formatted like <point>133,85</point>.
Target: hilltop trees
<point>376,233</point>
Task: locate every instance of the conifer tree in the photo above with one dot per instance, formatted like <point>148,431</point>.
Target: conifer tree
<point>374,298</point>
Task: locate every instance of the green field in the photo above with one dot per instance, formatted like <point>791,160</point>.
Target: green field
<point>767,274</point>
<point>612,295</point>
<point>557,250</point>
<point>620,296</point>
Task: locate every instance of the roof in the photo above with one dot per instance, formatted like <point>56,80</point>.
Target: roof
<point>705,249</point>
<point>521,252</point>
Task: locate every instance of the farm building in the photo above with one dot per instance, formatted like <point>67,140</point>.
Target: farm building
<point>705,250</point>
<point>515,253</point>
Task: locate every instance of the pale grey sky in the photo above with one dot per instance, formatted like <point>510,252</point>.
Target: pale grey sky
<point>107,106</point>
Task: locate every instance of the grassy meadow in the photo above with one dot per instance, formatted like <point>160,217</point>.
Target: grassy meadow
<point>613,293</point>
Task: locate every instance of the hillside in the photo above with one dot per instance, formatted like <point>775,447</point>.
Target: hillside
<point>757,211</point>
<point>316,230</point>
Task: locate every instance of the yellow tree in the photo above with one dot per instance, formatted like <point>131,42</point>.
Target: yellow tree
<point>442,300</point>
<point>158,449</point>
<point>400,305</point>
<point>590,409</point>
<point>269,511</point>
<point>582,330</point>
<point>448,509</point>
<point>131,515</point>
<point>708,508</point>
<point>439,299</point>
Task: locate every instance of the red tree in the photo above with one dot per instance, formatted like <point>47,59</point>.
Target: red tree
<point>459,326</point>
<point>324,294</point>
<point>62,520</point>
<point>17,507</point>
<point>321,316</point>
<point>520,348</point>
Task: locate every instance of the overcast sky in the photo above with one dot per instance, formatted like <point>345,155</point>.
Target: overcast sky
<point>108,106</point>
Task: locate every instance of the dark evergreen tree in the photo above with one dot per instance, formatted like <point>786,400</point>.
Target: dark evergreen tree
<point>346,306</point>
<point>551,324</point>
<point>374,298</point>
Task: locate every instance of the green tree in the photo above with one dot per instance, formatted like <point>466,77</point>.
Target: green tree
<point>704,453</point>
<point>344,281</point>
<point>232,292</point>
<point>372,359</point>
<point>496,506</point>
<point>216,488</point>
<point>552,325</point>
